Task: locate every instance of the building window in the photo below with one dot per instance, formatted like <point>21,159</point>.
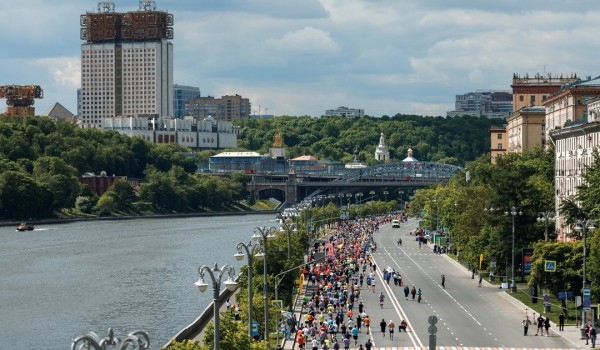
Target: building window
<point>499,136</point>
<point>532,100</point>
<point>521,98</point>
<point>500,146</point>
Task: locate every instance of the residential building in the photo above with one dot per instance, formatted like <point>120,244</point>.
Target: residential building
<point>570,103</point>
<point>574,148</point>
<point>227,108</point>
<point>498,142</point>
<point>489,103</point>
<point>345,112</point>
<point>126,64</point>
<point>181,94</point>
<point>532,91</point>
<point>525,129</point>
<point>207,133</point>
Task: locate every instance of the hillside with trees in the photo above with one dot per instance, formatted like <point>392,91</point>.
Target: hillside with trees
<point>447,140</point>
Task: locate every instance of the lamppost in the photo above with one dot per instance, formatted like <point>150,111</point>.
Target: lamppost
<point>385,193</point>
<point>513,212</point>
<point>216,276</point>
<point>137,339</point>
<point>250,249</point>
<point>584,226</point>
<point>401,200</point>
<point>358,198</point>
<point>263,234</point>
<point>287,227</point>
<point>545,218</point>
<point>340,196</point>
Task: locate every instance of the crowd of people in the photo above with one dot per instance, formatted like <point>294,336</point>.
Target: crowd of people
<point>336,316</point>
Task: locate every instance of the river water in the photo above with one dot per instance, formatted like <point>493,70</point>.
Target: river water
<point>62,280</point>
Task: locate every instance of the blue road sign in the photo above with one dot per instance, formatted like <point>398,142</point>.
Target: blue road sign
<point>550,266</point>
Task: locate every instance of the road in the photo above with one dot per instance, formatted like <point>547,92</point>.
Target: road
<point>468,316</point>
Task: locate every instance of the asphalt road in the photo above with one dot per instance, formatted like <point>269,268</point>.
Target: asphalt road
<point>467,315</point>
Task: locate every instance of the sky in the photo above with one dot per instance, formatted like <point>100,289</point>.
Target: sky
<point>302,57</point>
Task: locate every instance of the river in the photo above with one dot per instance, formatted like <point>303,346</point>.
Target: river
<point>62,280</point>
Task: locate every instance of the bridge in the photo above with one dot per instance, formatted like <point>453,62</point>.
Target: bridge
<point>405,176</point>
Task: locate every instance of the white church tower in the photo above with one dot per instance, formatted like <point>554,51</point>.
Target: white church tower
<point>382,153</point>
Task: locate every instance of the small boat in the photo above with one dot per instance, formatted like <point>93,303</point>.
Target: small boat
<point>25,227</point>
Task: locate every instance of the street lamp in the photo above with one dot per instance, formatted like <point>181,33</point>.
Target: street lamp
<point>584,226</point>
<point>250,249</point>
<point>263,234</point>
<point>385,193</point>
<point>340,196</point>
<point>401,200</point>
<point>358,198</point>
<point>288,227</point>
<point>216,276</point>
<point>545,218</point>
<point>137,339</point>
<point>513,212</point>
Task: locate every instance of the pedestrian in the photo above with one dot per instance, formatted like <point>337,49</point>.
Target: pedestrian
<point>355,335</point>
<point>444,281</point>
<point>561,322</point>
<point>413,292</point>
<point>593,336</point>
<point>358,322</point>
<point>368,324</point>
<point>540,325</point>
<point>382,325</point>
<point>368,345</point>
<point>473,274</point>
<point>402,326</point>
<point>361,307</point>
<point>419,295</point>
<point>381,298</point>
<point>480,279</point>
<point>526,323</point>
<point>547,325</point>
<point>391,327</point>
<point>587,334</point>
<point>346,343</point>
<point>406,291</point>
<point>315,344</point>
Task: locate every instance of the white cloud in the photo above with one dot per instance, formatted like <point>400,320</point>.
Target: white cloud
<point>306,40</point>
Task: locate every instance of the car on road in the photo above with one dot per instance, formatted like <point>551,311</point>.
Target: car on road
<point>395,223</point>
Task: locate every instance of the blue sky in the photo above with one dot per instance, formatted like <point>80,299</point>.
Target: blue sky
<point>301,57</point>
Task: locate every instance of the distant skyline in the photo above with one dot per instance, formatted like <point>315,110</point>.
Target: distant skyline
<point>301,57</point>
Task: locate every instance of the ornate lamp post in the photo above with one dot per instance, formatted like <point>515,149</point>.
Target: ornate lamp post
<point>263,234</point>
<point>385,193</point>
<point>359,198</point>
<point>546,217</point>
<point>139,340</point>
<point>584,226</point>
<point>288,227</point>
<point>513,212</point>
<point>250,249</point>
<point>216,276</point>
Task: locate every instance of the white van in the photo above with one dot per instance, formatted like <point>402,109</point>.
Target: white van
<point>395,223</point>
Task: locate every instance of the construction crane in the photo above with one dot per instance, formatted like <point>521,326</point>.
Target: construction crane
<point>20,98</point>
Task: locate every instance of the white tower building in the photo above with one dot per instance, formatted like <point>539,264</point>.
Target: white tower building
<point>126,64</point>
<point>381,152</point>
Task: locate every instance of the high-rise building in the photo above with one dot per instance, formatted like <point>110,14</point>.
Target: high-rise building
<point>227,108</point>
<point>181,94</point>
<point>490,103</point>
<point>126,63</point>
<point>346,112</point>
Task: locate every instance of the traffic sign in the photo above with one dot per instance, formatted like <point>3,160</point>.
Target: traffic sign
<point>587,291</point>
<point>550,266</point>
<point>432,319</point>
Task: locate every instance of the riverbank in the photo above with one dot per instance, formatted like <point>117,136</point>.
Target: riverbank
<point>134,217</point>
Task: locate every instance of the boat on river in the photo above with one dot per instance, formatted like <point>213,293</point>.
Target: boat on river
<point>24,226</point>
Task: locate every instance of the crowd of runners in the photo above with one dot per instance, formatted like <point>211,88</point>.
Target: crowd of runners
<point>335,316</point>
